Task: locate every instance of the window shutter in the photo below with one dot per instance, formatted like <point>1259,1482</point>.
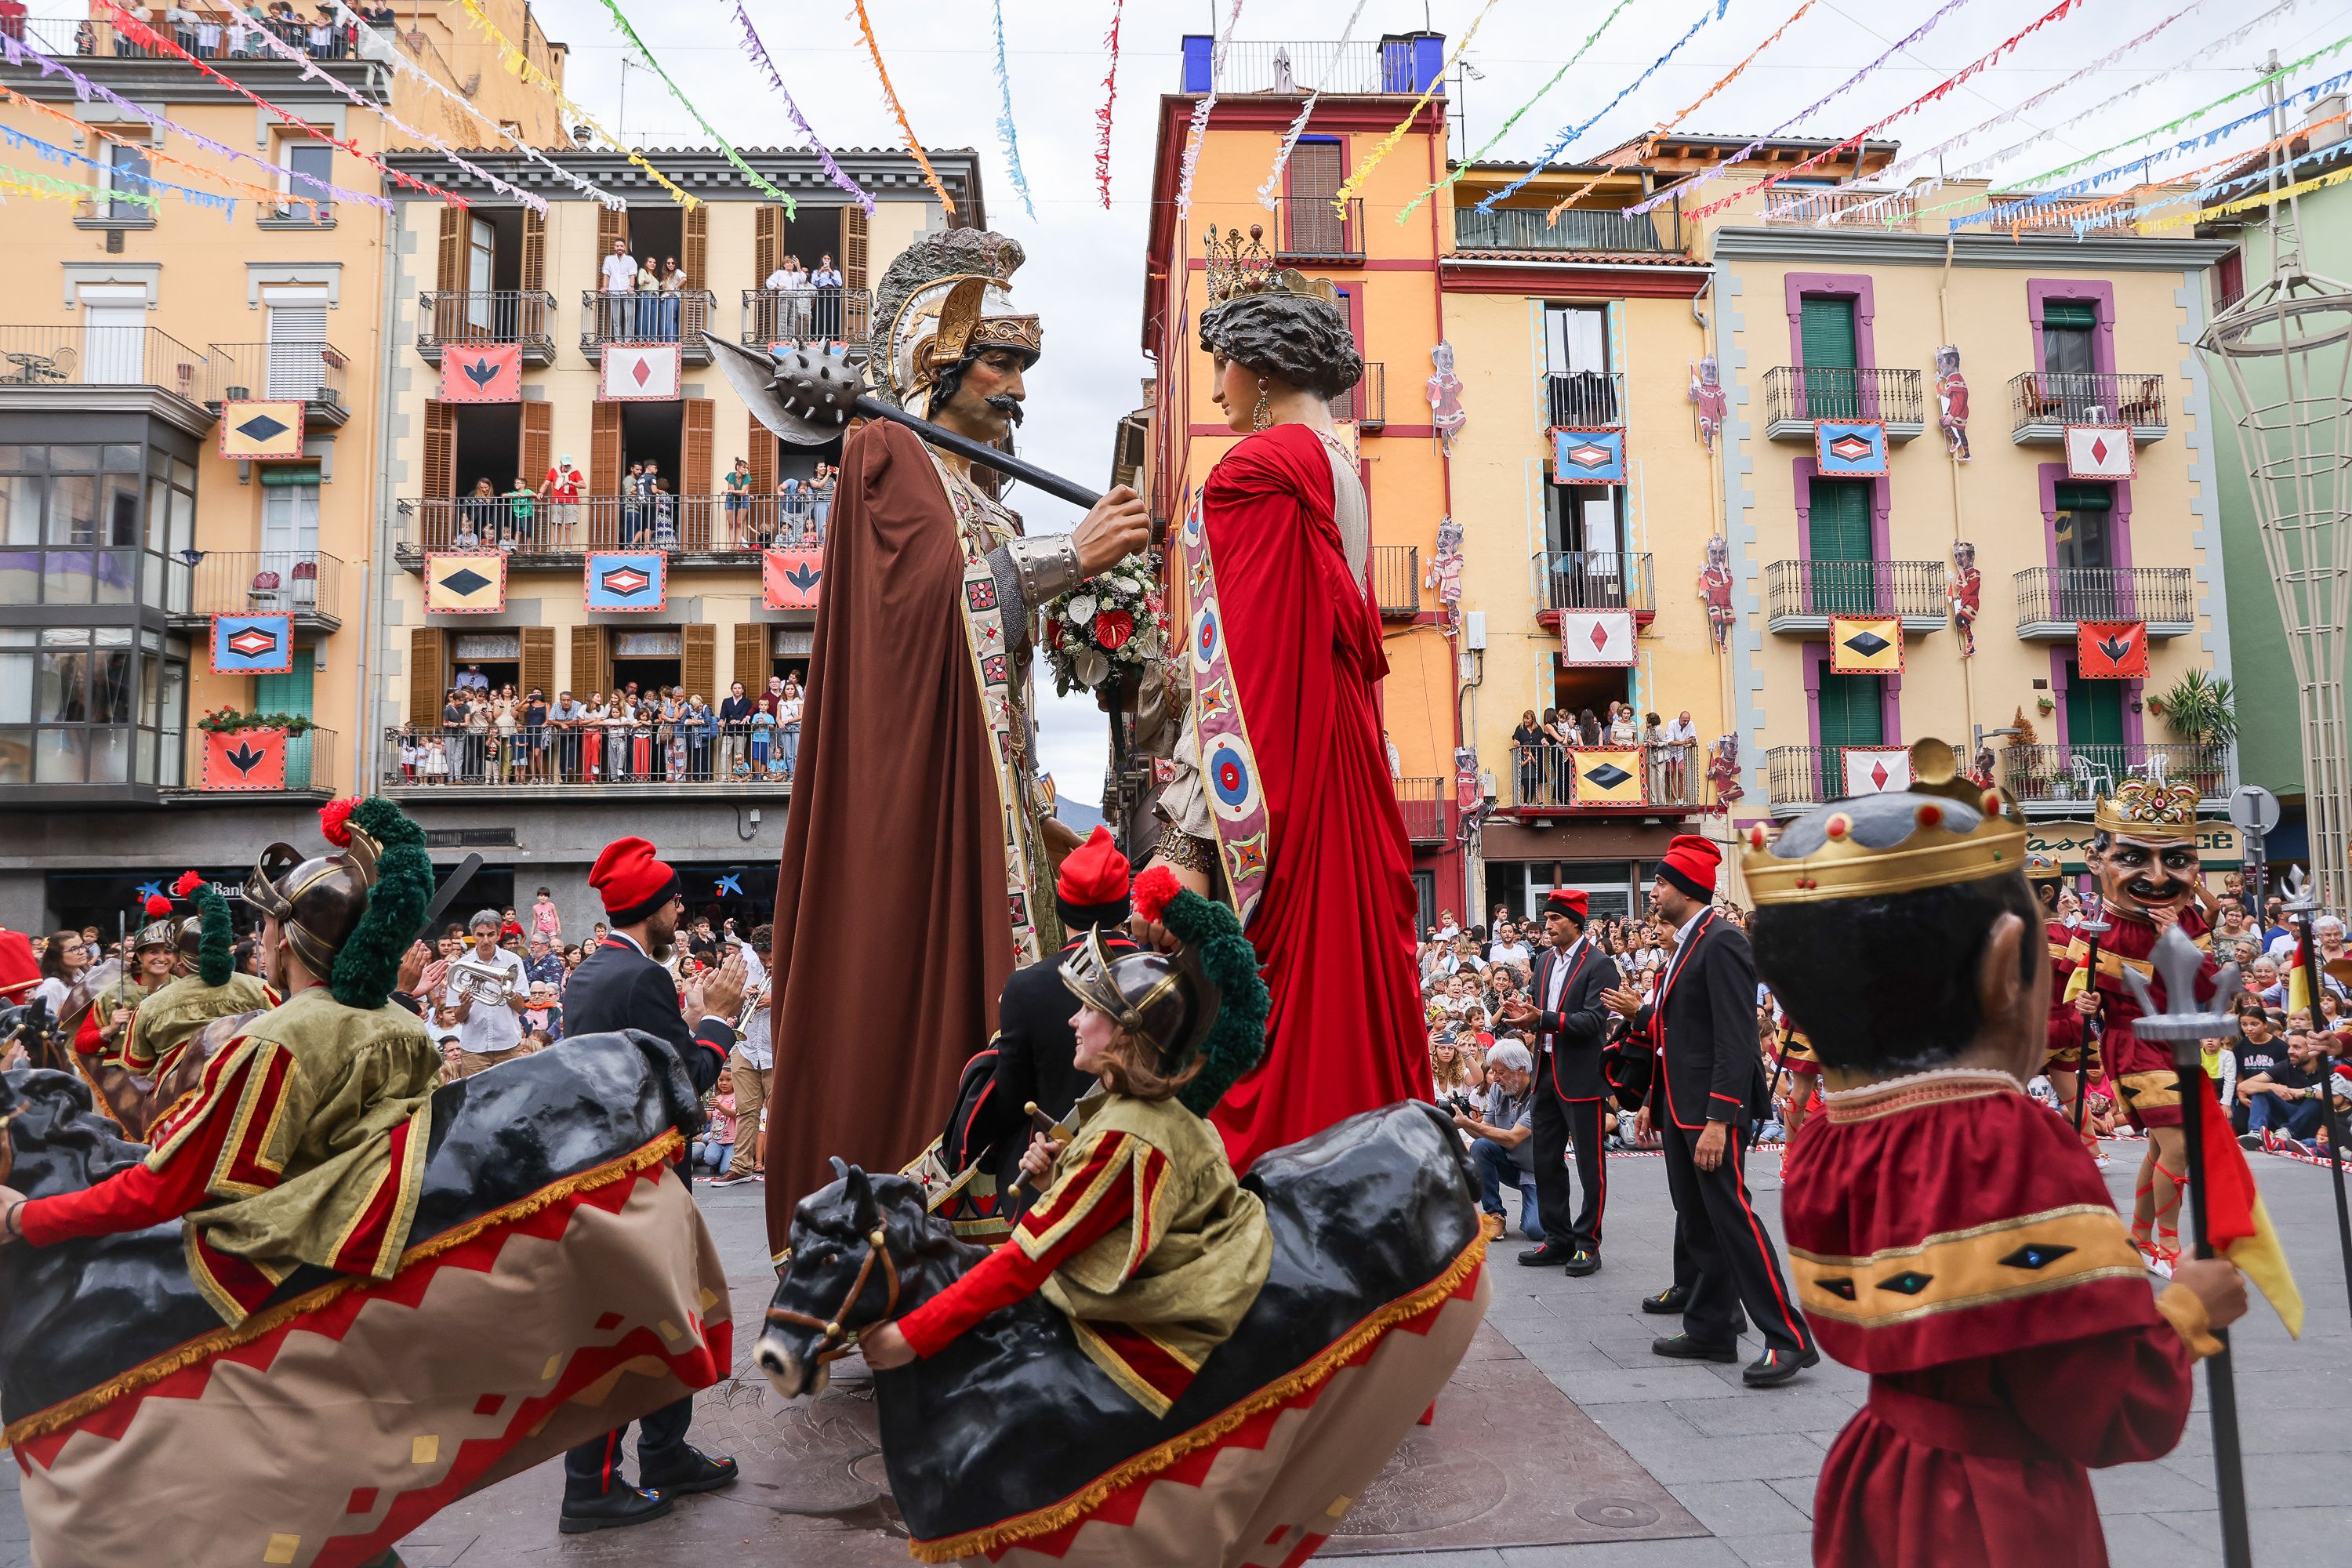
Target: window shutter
<point>1313,172</point>
<point>696,248</point>
<point>429,667</point>
<point>440,448</point>
<point>2081,313</point>
<point>694,463</point>
<point>610,225</point>
<point>537,453</point>
<point>699,661</point>
<point>753,663</point>
<point>761,451</point>
<point>534,250</point>
<point>539,660</point>
<point>587,660</point>
<point>450,274</point>
<point>767,244</point>
<point>852,254</point>
<point>297,328</point>
<point>604,449</point>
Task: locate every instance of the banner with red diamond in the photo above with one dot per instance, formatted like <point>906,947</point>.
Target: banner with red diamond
<point>1581,457</point>
<point>1871,769</point>
<point>789,578</point>
<point>486,372</point>
<point>1605,775</point>
<point>2111,650</point>
<point>261,432</point>
<point>628,580</point>
<point>1850,449</point>
<point>253,644</point>
<point>2101,452</point>
<point>245,759</point>
<point>1865,645</point>
<point>639,372</point>
<point>465,582</point>
<point>1597,639</point>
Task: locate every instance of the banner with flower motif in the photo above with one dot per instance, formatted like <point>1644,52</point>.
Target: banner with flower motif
<point>788,579</point>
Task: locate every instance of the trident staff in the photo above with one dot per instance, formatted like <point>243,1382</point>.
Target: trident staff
<point>2096,926</point>
<point>2304,905</point>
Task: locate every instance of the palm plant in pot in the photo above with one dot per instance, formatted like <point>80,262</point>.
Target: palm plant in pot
<point>2203,711</point>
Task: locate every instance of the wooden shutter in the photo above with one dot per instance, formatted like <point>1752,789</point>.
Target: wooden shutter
<point>610,225</point>
<point>767,244</point>
<point>440,448</point>
<point>450,273</point>
<point>696,248</point>
<point>537,453</point>
<point>699,662</point>
<point>539,660</point>
<point>694,463</point>
<point>1313,173</point>
<point>852,254</point>
<point>761,451</point>
<point>429,667</point>
<point>752,663</point>
<point>604,449</point>
<point>534,250</point>
<point>587,660</point>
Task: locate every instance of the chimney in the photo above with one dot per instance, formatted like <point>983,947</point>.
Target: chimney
<point>2327,135</point>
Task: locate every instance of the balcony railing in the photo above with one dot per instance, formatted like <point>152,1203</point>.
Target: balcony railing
<point>1797,397</point>
<point>1587,399</point>
<point>1366,402</point>
<point>2052,601</point>
<point>681,318</point>
<point>2069,777</point>
<point>1783,204</point>
<point>2042,402</point>
<point>806,315</point>
<point>1310,228</point>
<point>584,759</point>
<point>1578,228</point>
<point>305,584</point>
<point>1594,580</point>
<point>310,766</point>
<point>1424,802</point>
<point>454,318</point>
<point>1544,780</point>
<point>309,371</point>
<point>70,357</point>
<point>1798,777</point>
<point>207,34</point>
<point>690,524</point>
<point>1801,595</point>
<point>1396,580</point>
<point>1348,69</point>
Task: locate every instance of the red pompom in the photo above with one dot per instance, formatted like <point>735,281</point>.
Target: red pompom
<point>188,883</point>
<point>1154,891</point>
<point>157,906</point>
<point>334,820</point>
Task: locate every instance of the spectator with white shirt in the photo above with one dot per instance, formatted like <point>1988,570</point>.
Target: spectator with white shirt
<point>752,1063</point>
<point>619,271</point>
<point>826,282</point>
<point>788,289</point>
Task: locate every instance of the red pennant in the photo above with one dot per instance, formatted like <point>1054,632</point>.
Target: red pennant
<point>2111,650</point>
<point>790,579</point>
<point>245,759</point>
<point>481,373</point>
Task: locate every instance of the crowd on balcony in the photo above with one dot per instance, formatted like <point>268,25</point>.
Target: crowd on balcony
<point>805,304</point>
<point>643,302</point>
<point>1541,747</point>
<point>228,32</point>
<point>649,735</point>
<point>647,513</point>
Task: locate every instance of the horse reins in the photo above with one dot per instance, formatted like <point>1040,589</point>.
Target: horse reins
<point>830,1328</point>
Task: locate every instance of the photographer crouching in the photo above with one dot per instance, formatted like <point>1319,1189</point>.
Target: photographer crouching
<point>1502,1136</point>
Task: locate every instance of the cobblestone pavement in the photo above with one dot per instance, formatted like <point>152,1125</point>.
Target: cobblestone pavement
<point>1726,1472</point>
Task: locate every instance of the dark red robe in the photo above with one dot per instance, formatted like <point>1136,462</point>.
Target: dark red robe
<point>1951,1237</point>
<point>2066,1033</point>
<point>2146,1083</point>
<point>1334,927</point>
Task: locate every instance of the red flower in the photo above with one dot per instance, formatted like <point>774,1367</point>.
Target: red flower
<point>1112,628</point>
<point>1054,632</point>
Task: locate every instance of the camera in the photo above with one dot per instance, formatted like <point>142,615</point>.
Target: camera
<point>1460,1103</point>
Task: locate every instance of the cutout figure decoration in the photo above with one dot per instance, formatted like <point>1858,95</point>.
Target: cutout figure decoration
<point>1723,770</point>
<point>1952,401</point>
<point>1715,587</point>
<point>1965,589</point>
<point>1444,574</point>
<point>1707,394</point>
<point>1445,415</point>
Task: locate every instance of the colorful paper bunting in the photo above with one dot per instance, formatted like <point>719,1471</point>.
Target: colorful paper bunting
<point>33,182</point>
<point>1299,125</point>
<point>898,111</point>
<point>116,177</point>
<point>1004,129</point>
<point>1388,143</point>
<point>726,149</point>
<point>1110,96</point>
<point>1197,132</point>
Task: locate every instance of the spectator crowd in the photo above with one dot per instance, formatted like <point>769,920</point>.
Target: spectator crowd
<point>635,735</point>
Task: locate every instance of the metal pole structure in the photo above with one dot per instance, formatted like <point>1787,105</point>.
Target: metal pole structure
<point>2302,904</point>
<point>2095,927</point>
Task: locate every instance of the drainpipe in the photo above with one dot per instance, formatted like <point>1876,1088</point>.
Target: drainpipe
<point>378,584</point>
<point>1445,472</point>
<point>1944,326</point>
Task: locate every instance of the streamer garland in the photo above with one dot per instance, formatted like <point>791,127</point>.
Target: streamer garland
<point>1388,143</point>
<point>1616,166</point>
<point>1110,96</point>
<point>1480,155</point>
<point>2105,212</point>
<point>17,140</point>
<point>890,96</point>
<point>1982,62</point>
<point>1298,126</point>
<point>1568,135</point>
<point>264,194</point>
<point>833,171</point>
<point>1715,171</point>
<point>726,149</point>
<point>1198,131</point>
<point>33,182</point>
<point>2260,198</point>
<point>1004,131</point>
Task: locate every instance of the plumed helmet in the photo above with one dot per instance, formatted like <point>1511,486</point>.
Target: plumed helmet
<point>1164,999</point>
<point>315,903</point>
<point>164,932</point>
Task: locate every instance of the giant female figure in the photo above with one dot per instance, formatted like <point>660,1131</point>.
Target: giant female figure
<point>1282,798</point>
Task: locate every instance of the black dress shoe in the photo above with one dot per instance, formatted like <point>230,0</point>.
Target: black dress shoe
<point>1670,1299</point>
<point>1546,1256</point>
<point>622,1505</point>
<point>1774,1368</point>
<point>695,1471</point>
<point>1583,1261</point>
<point>1682,1347</point>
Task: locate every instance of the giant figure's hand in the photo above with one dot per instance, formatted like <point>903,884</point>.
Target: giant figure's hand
<point>1116,528</point>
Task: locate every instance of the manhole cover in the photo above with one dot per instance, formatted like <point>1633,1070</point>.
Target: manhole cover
<point>1617,1513</point>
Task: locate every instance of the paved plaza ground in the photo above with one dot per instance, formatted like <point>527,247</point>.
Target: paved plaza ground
<point>1562,1443</point>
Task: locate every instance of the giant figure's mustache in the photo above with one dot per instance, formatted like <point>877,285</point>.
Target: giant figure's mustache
<point>1007,404</point>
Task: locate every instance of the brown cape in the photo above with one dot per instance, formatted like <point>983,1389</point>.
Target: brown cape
<point>893,935</point>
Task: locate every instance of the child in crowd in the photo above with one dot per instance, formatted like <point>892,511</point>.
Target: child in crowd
<point>545,919</point>
<point>716,1147</point>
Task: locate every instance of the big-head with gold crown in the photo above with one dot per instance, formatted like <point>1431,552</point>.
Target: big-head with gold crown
<point>2143,846</point>
<point>1276,321</point>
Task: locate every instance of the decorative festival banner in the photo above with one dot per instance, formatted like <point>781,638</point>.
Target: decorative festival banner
<point>1583,456</point>
<point>1196,131</point>
<point>2101,452</point>
<point>639,372</point>
<point>245,759</point>
<point>1606,776</point>
<point>1004,129</point>
<point>2111,650</point>
<point>1850,449</point>
<point>832,170</point>
<point>1110,97</point>
<point>1865,645</point>
<point>465,582</point>
<point>253,644</point>
<point>1266,193</point>
<point>789,578</point>
<point>630,579</point>
<point>1873,770</point>
<point>759,181</point>
<point>260,430</point>
<point>481,373</point>
<point>1597,639</point>
<point>897,110</point>
<point>119,176</point>
<point>48,187</point>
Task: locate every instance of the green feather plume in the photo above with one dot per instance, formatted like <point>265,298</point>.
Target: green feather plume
<point>216,938</point>
<point>1237,1041</point>
<point>370,960</point>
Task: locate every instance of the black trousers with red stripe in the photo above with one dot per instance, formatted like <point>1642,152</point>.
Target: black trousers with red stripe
<point>594,1467</point>
<point>1732,1259</point>
<point>1556,1123</point>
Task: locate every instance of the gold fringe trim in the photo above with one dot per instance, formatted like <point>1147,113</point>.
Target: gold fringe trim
<point>1071,1510</point>
<point>229,1336</point>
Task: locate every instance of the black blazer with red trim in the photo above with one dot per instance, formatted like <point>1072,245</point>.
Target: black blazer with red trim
<point>1713,1071</point>
<point>617,987</point>
<point>1575,1031</point>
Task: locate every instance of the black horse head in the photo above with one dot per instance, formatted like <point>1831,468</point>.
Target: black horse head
<point>56,1141</point>
<point>863,1250</point>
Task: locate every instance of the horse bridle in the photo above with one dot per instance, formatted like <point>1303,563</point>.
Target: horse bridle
<point>829,1329</point>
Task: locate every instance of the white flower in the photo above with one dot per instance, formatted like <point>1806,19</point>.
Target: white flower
<point>1090,666</point>
<point>1081,609</point>
<point>1128,586</point>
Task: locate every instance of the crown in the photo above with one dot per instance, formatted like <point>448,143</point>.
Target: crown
<point>2040,867</point>
<point>2149,810</point>
<point>1943,829</point>
<point>1236,267</point>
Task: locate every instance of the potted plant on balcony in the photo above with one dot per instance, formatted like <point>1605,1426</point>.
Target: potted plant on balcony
<point>2203,711</point>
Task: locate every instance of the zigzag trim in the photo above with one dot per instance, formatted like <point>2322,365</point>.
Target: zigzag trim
<point>1075,1509</point>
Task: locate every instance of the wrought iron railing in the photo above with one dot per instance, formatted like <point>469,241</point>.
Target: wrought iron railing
<point>312,372</point>
<point>1546,779</point>
<point>1578,228</point>
<point>656,318</point>
<point>1810,393</point>
<point>265,583</point>
<point>806,315</point>
<point>1352,68</point>
<point>694,523</point>
<point>2070,775</point>
<point>1813,589</point>
<point>2057,398</point>
<point>208,34</point>
<point>589,756</point>
<point>1396,580</point>
<point>1423,802</point>
<point>2066,594</point>
<point>453,317</point>
<point>63,356</point>
<point>1588,399</point>
<point>1594,580</point>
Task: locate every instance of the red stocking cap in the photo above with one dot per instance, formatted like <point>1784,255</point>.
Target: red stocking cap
<point>631,879</point>
<point>20,972</point>
<point>1092,873</point>
<point>1691,863</point>
<point>1568,902</point>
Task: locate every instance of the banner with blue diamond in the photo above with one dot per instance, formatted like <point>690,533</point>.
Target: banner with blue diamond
<point>261,431</point>
<point>627,580</point>
<point>1850,449</point>
<point>253,644</point>
<point>1605,775</point>
<point>1865,645</point>
<point>465,582</point>
<point>1581,457</point>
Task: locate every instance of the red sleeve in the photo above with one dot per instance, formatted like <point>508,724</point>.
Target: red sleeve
<point>1008,1274</point>
<point>2119,1398</point>
<point>133,1199</point>
<point>86,1039</point>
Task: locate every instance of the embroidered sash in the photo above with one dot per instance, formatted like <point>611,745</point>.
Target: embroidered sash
<point>1228,765</point>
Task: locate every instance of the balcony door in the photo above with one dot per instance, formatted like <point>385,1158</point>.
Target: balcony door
<point>1312,225</point>
<point>1840,569</point>
<point>2082,536</point>
<point>114,335</point>
<point>298,342</point>
<point>2095,722</point>
<point>481,272</point>
<point>285,580</point>
<point>1576,363</point>
<point>2069,331</point>
<point>1832,377</point>
<point>1852,711</point>
<point>1585,569</point>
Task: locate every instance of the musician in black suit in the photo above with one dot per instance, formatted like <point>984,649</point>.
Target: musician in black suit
<point>1570,1022</point>
<point>1710,1087</point>
<point>1036,1046</point>
<point>624,984</point>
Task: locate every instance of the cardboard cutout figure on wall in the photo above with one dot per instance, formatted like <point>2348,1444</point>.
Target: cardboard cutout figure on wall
<point>1965,589</point>
<point>1952,402</point>
<point>1444,574</point>
<point>1445,413</point>
<point>1715,588</point>
<point>1706,395</point>
<point>1723,770</point>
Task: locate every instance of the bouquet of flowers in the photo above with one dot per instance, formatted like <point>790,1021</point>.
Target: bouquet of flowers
<point>1119,619</point>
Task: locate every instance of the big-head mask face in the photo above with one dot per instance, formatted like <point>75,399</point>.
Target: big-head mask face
<point>2144,848</point>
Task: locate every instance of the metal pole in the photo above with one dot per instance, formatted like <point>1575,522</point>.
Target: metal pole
<point>2098,926</point>
<point>2306,909</point>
